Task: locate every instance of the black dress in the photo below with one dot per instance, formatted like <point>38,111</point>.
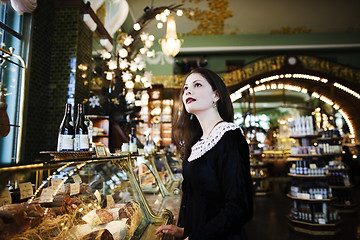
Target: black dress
<point>217,187</point>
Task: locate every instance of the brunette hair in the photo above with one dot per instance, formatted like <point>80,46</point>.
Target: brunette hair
<point>186,131</point>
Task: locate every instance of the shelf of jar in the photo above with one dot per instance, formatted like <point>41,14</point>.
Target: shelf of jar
<point>262,192</point>
<point>341,187</point>
<point>100,135</point>
<point>306,136</point>
<point>258,164</point>
<point>346,208</point>
<point>337,223</point>
<point>294,159</point>
<point>310,200</point>
<point>338,169</point>
<point>97,117</point>
<point>315,229</point>
<point>308,176</point>
<point>313,155</point>
<point>259,177</point>
<point>329,138</point>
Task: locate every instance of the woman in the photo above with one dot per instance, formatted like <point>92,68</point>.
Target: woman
<point>217,187</point>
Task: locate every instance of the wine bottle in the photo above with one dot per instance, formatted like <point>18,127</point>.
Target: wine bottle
<point>81,131</point>
<point>66,132</point>
<point>132,143</point>
<point>90,126</point>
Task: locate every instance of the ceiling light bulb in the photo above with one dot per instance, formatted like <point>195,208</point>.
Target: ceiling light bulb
<point>160,25</point>
<point>129,84</point>
<point>123,53</point>
<point>179,12</point>
<point>109,75</point>
<point>137,78</point>
<point>143,36</point>
<point>133,66</point>
<point>123,64</point>
<point>167,12</point>
<point>151,37</point>
<point>137,27</point>
<point>148,43</point>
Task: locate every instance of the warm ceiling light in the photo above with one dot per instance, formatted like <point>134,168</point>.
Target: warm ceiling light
<point>137,27</point>
<point>170,45</point>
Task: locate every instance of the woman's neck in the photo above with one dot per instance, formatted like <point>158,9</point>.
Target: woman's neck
<point>208,121</point>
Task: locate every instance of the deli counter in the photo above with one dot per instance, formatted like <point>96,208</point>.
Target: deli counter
<point>87,198</point>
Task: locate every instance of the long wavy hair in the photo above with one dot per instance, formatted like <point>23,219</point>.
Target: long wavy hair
<point>186,131</point>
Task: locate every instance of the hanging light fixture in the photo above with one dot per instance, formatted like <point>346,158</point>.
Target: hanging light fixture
<point>170,45</point>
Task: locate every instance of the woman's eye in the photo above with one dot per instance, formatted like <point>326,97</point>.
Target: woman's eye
<point>198,85</point>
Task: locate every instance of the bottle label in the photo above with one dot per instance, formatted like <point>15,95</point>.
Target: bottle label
<point>81,142</point>
<point>66,143</point>
<point>133,147</point>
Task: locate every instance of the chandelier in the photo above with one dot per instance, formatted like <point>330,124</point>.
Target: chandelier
<point>170,45</point>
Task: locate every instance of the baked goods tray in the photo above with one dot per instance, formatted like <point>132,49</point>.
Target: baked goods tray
<point>69,154</point>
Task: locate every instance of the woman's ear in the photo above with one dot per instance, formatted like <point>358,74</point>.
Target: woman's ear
<point>216,96</point>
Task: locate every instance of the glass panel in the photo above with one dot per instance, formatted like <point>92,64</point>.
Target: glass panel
<point>11,18</point>
<point>77,199</point>
<point>11,76</point>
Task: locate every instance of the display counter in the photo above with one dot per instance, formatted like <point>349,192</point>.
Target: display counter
<point>94,198</point>
<point>158,183</point>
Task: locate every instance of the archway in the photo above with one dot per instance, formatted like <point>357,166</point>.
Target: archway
<point>331,82</point>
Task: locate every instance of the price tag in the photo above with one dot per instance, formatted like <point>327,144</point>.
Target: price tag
<point>110,201</point>
<point>92,218</point>
<point>313,166</point>
<point>26,190</point>
<point>322,221</point>
<point>318,196</point>
<point>5,197</point>
<point>74,188</point>
<point>98,196</point>
<point>77,178</point>
<point>306,196</point>
<point>58,183</point>
<point>347,182</point>
<point>46,195</point>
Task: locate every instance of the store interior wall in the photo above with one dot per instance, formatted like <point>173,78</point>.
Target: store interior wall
<point>46,83</point>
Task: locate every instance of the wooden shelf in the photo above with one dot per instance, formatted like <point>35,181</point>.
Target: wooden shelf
<point>310,200</point>
<point>315,224</point>
<point>97,117</point>
<point>307,176</point>
<point>258,177</point>
<point>305,155</point>
<point>314,229</point>
<point>341,187</point>
<point>313,155</point>
<point>100,135</point>
<point>262,192</point>
<point>306,136</point>
<point>329,138</point>
<point>352,205</point>
<point>338,169</point>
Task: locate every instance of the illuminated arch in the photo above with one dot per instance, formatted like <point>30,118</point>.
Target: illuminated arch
<point>279,81</point>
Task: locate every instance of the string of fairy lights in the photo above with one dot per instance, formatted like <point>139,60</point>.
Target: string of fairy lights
<point>262,86</point>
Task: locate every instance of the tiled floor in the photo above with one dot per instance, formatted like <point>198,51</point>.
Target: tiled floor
<point>270,223</point>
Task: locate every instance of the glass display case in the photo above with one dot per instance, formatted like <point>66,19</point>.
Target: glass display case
<point>94,198</point>
<point>158,183</point>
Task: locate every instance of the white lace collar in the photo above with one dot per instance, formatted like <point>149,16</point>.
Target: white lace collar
<point>203,146</point>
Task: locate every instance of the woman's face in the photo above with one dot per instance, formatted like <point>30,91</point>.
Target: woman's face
<point>198,94</point>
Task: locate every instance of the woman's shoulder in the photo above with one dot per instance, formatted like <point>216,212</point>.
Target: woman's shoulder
<point>223,130</point>
<point>227,128</point>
